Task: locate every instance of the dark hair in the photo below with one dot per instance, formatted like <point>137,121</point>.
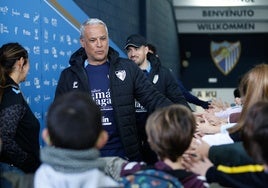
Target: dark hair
<point>74,121</point>
<point>152,48</point>
<point>170,131</point>
<point>9,54</point>
<point>255,132</point>
<point>236,93</point>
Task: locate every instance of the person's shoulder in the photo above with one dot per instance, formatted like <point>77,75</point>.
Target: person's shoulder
<point>47,174</point>
<point>42,173</point>
<point>103,179</point>
<point>73,68</point>
<point>68,68</point>
<point>44,168</point>
<point>124,60</point>
<point>165,69</point>
<point>190,179</point>
<point>12,95</point>
<point>12,90</point>
<point>126,64</point>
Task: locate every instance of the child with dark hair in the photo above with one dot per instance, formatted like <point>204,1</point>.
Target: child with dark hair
<point>74,135</point>
<point>170,131</point>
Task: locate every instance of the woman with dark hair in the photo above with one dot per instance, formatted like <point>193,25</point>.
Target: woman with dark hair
<point>19,128</point>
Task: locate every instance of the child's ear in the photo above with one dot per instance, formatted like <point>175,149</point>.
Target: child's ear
<point>45,136</point>
<point>102,140</point>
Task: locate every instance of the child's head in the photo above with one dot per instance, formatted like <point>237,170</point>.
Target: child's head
<point>170,131</point>
<point>254,86</point>
<point>74,122</point>
<point>255,132</point>
<point>237,97</point>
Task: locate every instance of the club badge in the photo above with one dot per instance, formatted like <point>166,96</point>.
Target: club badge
<point>225,55</point>
<point>156,77</point>
<point>121,74</point>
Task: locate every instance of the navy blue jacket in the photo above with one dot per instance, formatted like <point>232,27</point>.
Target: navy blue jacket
<point>191,98</point>
<point>166,82</point>
<point>19,130</point>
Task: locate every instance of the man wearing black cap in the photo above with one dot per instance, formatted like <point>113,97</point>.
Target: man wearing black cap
<point>161,77</point>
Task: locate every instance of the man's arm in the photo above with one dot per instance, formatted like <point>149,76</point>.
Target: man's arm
<point>191,98</point>
<point>246,176</point>
<point>173,91</point>
<point>146,93</point>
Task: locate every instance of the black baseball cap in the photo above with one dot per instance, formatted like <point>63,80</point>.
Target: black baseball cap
<point>136,41</point>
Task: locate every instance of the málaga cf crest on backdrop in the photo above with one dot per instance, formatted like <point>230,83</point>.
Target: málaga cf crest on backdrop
<point>225,55</point>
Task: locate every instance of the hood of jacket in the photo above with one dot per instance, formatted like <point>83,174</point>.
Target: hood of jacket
<point>79,56</point>
<point>155,63</point>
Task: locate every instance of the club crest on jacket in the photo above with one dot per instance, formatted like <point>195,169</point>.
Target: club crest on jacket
<point>121,74</point>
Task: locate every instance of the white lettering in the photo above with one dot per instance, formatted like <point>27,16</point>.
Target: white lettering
<point>101,98</point>
<point>105,121</point>
<point>246,26</point>
<point>75,84</point>
<point>228,13</point>
<point>139,107</point>
<point>248,1</point>
<point>103,102</point>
